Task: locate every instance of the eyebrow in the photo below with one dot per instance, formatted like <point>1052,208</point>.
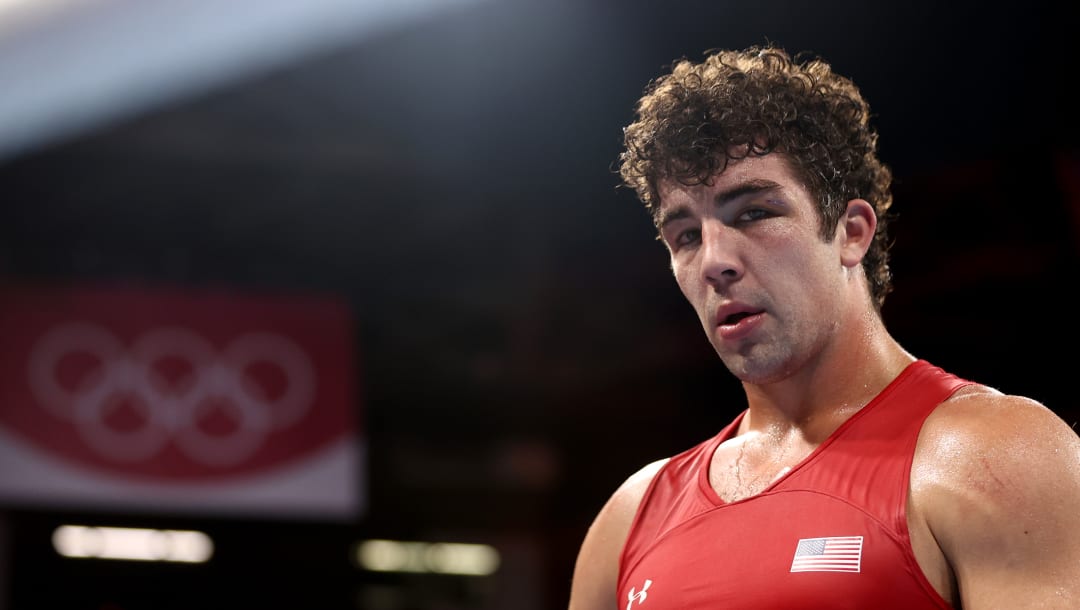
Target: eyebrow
<point>742,189</point>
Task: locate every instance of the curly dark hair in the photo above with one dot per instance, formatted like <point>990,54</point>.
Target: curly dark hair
<point>736,103</point>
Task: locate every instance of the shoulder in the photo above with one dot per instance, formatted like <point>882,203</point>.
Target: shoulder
<point>612,524</point>
<point>613,521</point>
<point>984,441</point>
<point>981,422</point>
<point>597,568</point>
<point>996,480</point>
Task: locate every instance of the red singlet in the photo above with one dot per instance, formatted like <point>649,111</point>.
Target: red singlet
<point>832,533</point>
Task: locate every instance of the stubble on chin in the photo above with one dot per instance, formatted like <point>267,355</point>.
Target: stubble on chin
<point>756,364</point>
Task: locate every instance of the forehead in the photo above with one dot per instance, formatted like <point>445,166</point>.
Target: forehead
<point>773,167</point>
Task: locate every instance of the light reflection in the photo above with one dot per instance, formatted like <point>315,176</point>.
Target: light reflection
<point>434,557</point>
<point>132,544</point>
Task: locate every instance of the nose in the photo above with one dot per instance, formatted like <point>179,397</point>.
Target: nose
<point>720,264</point>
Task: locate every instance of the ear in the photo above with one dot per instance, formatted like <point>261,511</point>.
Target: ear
<point>856,231</point>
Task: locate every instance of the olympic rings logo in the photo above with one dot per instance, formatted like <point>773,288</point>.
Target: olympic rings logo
<point>171,410</point>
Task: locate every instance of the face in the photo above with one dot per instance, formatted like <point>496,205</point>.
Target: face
<point>747,253</point>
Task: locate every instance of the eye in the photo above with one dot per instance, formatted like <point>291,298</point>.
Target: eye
<point>752,214</point>
<point>687,238</point>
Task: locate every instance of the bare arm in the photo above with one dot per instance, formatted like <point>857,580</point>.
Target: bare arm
<point>999,486</point>
<point>597,569</point>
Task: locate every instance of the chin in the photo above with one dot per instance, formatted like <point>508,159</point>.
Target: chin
<point>758,368</point>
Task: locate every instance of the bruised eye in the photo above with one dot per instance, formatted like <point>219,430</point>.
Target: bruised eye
<point>754,214</point>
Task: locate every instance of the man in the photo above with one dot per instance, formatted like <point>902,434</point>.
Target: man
<point>858,476</point>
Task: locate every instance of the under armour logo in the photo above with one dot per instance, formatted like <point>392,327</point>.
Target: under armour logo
<point>638,596</point>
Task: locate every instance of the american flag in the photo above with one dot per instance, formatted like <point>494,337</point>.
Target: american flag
<point>837,554</point>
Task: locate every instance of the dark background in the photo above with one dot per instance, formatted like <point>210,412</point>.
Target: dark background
<point>522,344</point>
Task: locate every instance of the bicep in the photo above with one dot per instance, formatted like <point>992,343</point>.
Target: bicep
<point>1006,517</point>
<point>596,571</point>
<point>597,568</point>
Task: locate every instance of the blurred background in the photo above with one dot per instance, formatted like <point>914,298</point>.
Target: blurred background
<point>334,304</point>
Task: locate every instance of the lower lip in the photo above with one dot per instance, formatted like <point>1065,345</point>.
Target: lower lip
<point>742,328</point>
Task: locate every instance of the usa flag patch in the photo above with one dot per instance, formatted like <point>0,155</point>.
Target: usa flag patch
<point>836,554</point>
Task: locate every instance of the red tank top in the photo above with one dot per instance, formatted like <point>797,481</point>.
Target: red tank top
<point>831,534</point>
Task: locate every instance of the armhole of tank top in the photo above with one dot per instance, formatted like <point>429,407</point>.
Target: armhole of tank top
<point>956,383</point>
<point>948,385</point>
<point>638,511</point>
<point>707,447</point>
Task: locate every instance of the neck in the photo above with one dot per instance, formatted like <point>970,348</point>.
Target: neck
<point>832,385</point>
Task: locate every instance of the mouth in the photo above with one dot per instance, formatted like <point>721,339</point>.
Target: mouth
<point>735,314</point>
<point>738,322</point>
<point>735,318</point>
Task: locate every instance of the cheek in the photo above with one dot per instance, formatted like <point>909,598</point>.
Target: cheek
<point>690,288</point>
<point>683,277</point>
<point>684,287</point>
<point>810,279</point>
